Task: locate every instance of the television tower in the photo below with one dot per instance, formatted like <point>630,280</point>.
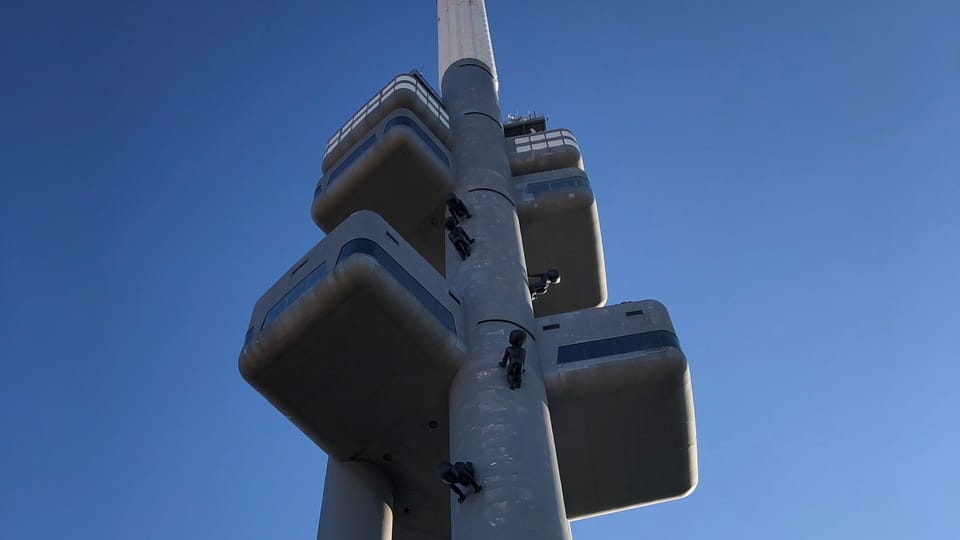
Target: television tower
<point>461,389</point>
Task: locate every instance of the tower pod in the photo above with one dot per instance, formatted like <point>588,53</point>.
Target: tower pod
<point>357,345</point>
<point>409,91</point>
<point>544,151</point>
<point>561,230</point>
<point>621,406</point>
<point>399,170</point>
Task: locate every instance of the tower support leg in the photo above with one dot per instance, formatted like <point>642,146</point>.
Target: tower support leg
<point>357,503</point>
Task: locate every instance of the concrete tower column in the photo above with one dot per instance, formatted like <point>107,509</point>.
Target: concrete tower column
<point>506,433</point>
<point>357,503</point>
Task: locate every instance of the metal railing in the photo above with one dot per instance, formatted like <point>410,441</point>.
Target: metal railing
<point>546,139</point>
<point>402,82</point>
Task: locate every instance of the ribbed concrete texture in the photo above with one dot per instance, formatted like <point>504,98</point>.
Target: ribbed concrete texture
<point>462,32</point>
<point>505,433</point>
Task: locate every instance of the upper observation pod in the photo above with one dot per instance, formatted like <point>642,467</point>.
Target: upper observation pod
<point>391,157</point>
<point>543,151</point>
<point>406,91</point>
<point>363,326</point>
<point>462,32</point>
<point>561,230</point>
<point>621,406</point>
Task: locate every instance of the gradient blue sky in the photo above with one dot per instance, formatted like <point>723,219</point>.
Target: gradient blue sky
<point>783,175</point>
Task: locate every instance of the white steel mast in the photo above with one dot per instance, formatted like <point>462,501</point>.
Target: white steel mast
<point>507,434</point>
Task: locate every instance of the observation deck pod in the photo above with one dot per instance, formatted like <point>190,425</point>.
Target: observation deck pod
<point>621,406</point>
<point>561,230</point>
<point>407,91</point>
<point>544,151</point>
<point>357,345</point>
<point>391,158</point>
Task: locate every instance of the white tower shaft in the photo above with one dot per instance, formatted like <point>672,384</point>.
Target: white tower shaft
<point>506,433</point>
<point>463,33</point>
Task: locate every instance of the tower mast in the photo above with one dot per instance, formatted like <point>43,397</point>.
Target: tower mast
<point>506,433</point>
<point>386,342</point>
<point>463,32</point>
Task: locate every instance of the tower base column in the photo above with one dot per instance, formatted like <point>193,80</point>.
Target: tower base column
<point>357,503</point>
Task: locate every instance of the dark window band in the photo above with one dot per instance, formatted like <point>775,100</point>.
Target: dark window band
<point>364,146</point>
<point>557,185</point>
<point>292,295</point>
<point>616,345</point>
<point>412,124</point>
<point>367,144</point>
<point>369,247</point>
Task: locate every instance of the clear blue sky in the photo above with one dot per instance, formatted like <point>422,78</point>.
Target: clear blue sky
<point>783,175</point>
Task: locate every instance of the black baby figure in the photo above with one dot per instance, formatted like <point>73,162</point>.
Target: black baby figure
<point>539,287</point>
<point>459,238</point>
<point>457,209</point>
<point>514,357</point>
<point>459,473</point>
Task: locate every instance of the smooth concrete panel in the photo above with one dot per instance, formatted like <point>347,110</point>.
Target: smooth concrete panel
<point>561,230</point>
<point>357,503</point>
<point>621,405</point>
<point>362,365</point>
<point>407,91</point>
<point>399,170</point>
<point>506,434</point>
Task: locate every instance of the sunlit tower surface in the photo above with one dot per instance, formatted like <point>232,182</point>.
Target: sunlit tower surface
<point>382,344</point>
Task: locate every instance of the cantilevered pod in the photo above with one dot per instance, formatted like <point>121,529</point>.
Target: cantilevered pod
<point>621,406</point>
<point>398,168</point>
<point>561,230</point>
<point>543,151</point>
<point>406,91</point>
<point>357,344</point>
